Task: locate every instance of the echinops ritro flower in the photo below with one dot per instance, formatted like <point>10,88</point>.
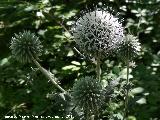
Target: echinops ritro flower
<point>88,94</point>
<point>129,48</point>
<point>98,31</point>
<point>25,45</point>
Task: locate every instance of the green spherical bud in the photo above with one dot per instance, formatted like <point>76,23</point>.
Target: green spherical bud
<point>25,45</point>
<point>129,48</point>
<point>88,94</point>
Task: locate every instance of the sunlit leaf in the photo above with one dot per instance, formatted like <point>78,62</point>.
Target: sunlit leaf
<point>75,63</point>
<point>137,90</point>
<point>141,101</point>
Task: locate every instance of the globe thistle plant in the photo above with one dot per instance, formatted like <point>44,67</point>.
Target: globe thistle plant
<point>98,31</point>
<point>129,48</point>
<point>25,45</point>
<point>98,34</point>
<point>88,94</point>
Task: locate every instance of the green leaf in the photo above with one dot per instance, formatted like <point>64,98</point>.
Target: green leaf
<point>137,90</point>
<point>3,61</point>
<point>71,67</point>
<point>75,68</point>
<point>141,101</point>
<point>134,11</point>
<point>116,70</point>
<point>75,63</point>
<point>70,53</point>
<point>68,67</point>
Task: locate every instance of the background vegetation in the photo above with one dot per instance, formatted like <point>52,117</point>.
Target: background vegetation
<point>25,91</point>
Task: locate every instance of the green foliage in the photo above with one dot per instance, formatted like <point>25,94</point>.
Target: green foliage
<point>24,90</point>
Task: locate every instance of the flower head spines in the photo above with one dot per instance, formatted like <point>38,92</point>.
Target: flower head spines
<point>98,31</point>
<point>25,45</point>
<point>129,48</point>
<point>88,94</point>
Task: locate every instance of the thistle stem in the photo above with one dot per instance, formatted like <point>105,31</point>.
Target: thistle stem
<point>98,67</point>
<point>127,90</point>
<point>45,72</point>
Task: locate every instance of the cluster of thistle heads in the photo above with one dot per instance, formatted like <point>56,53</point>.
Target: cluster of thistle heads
<point>95,32</point>
<point>100,32</point>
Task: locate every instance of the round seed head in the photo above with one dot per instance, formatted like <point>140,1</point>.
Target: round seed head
<point>98,31</point>
<point>88,94</point>
<point>129,48</point>
<point>25,45</point>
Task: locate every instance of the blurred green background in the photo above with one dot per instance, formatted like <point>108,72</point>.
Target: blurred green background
<point>25,91</point>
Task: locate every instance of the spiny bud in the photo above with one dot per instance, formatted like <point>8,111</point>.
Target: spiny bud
<point>98,31</point>
<point>130,48</point>
<point>25,45</point>
<point>88,94</point>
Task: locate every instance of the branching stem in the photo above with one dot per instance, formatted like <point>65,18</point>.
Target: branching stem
<point>98,67</point>
<point>46,73</point>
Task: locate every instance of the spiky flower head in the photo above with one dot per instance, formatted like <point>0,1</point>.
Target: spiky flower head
<point>129,48</point>
<point>25,45</point>
<point>88,94</point>
<point>98,31</point>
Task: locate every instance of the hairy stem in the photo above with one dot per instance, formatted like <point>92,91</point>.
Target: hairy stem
<point>48,75</point>
<point>98,67</point>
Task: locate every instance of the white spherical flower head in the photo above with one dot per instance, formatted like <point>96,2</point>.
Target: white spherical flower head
<point>98,32</point>
<point>130,48</point>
